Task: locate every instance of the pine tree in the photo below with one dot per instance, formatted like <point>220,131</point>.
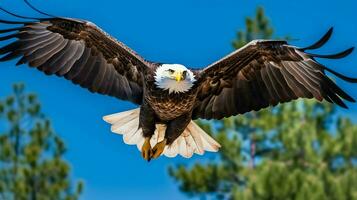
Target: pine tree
<point>295,151</point>
<point>31,154</point>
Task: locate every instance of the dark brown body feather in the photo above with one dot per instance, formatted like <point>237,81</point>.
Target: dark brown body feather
<point>168,106</point>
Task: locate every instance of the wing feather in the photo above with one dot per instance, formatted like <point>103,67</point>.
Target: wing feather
<point>45,63</point>
<point>290,68</point>
<point>78,65</point>
<point>99,77</point>
<point>48,51</point>
<point>69,64</point>
<point>42,50</point>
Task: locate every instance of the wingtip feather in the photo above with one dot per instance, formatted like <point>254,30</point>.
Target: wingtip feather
<point>339,55</point>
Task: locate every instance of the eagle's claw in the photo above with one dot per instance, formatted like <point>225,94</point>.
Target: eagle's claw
<point>158,149</point>
<point>146,150</point>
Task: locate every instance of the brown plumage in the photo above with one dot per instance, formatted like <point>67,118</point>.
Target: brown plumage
<point>80,52</point>
<point>263,73</point>
<point>168,106</point>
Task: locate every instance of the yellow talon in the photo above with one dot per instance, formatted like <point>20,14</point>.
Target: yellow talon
<point>158,149</point>
<point>146,150</point>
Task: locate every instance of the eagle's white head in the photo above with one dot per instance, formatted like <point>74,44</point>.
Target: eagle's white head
<point>174,77</point>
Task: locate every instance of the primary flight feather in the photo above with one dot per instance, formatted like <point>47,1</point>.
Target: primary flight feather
<point>262,73</point>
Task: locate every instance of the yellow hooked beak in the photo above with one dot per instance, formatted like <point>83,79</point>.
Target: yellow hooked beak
<point>178,76</point>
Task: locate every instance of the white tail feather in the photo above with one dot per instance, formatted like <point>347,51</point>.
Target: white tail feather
<point>192,140</point>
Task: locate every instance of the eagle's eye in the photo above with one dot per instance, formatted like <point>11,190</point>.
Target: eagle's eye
<point>171,71</point>
<point>184,74</point>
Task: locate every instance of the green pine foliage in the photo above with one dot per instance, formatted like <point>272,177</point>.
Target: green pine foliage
<point>31,153</point>
<point>295,151</point>
<point>256,28</point>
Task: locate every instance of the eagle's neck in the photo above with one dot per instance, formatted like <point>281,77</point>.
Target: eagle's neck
<point>173,86</point>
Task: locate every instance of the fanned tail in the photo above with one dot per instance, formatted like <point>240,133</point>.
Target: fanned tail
<point>193,140</point>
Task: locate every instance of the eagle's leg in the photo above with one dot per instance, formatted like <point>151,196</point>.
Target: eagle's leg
<point>146,150</point>
<point>174,129</point>
<point>147,124</point>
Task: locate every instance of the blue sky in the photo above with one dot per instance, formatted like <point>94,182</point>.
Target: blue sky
<point>190,32</point>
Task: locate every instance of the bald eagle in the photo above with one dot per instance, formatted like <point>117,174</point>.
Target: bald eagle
<point>263,73</point>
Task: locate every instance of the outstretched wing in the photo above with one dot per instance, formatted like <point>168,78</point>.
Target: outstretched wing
<point>264,73</point>
<point>79,51</point>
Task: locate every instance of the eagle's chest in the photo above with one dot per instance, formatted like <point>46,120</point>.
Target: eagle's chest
<point>170,106</point>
